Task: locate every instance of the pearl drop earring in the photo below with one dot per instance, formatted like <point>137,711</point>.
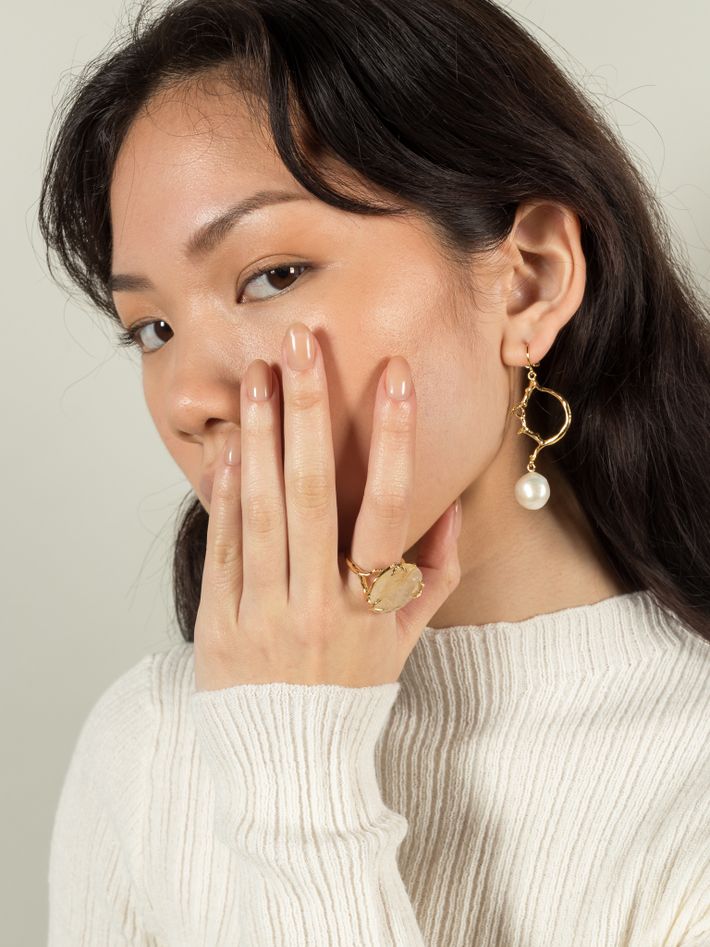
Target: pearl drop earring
<point>532,490</point>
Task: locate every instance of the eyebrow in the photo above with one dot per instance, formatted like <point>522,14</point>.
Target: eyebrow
<point>209,235</point>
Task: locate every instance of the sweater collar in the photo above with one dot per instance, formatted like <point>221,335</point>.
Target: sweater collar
<point>614,633</point>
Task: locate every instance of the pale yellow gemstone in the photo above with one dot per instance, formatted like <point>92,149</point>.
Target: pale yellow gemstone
<point>396,586</point>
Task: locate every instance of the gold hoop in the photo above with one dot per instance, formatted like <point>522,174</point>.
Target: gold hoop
<point>519,411</point>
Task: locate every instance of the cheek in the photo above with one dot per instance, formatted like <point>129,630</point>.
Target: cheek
<point>459,420</point>
<point>185,455</point>
<point>448,433</point>
<point>155,407</point>
<point>459,431</point>
<point>151,396</point>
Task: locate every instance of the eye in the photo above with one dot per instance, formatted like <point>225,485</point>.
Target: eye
<point>134,336</point>
<point>279,274</point>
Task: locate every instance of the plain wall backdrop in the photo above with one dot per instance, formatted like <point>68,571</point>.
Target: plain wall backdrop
<point>89,493</point>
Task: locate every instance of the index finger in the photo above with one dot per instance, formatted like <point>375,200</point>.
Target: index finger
<point>309,465</point>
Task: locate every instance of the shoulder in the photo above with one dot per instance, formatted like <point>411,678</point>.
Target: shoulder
<point>154,679</point>
<point>683,660</point>
<point>667,689</point>
<point>98,842</point>
<point>122,726</point>
<point>659,647</point>
<point>112,769</point>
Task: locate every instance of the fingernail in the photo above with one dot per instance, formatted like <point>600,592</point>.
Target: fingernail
<point>398,379</point>
<point>233,448</point>
<point>458,518</point>
<point>300,347</point>
<point>258,380</point>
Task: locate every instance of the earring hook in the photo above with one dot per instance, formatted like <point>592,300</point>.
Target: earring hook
<point>527,356</point>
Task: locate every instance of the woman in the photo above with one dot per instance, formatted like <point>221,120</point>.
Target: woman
<point>352,242</point>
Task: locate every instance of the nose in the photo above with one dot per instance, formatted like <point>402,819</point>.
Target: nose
<point>199,398</point>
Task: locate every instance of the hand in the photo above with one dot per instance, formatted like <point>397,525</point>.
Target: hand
<point>276,604</point>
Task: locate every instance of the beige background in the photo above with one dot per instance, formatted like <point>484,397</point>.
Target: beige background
<point>89,492</point>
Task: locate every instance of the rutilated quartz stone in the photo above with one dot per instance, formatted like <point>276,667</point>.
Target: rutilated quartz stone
<point>396,586</point>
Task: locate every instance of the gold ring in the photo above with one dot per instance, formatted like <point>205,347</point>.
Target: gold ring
<point>392,587</point>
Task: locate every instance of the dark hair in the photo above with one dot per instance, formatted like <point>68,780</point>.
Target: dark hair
<point>452,107</point>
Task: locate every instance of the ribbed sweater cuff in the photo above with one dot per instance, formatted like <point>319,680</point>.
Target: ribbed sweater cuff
<point>293,764</point>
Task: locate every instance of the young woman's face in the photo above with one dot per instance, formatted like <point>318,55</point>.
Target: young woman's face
<point>373,287</point>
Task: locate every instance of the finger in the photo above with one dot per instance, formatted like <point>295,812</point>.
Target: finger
<point>222,570</point>
<point>380,532</point>
<point>309,466</point>
<point>265,547</point>
<point>438,561</point>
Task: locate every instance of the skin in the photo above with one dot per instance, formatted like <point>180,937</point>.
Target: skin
<point>380,287</point>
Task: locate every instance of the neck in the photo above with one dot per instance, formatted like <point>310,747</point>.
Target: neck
<point>517,563</point>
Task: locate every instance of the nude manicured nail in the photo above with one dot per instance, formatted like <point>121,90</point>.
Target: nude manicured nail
<point>233,448</point>
<point>258,381</point>
<point>300,347</point>
<point>398,379</point>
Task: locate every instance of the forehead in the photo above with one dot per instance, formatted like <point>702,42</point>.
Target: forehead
<point>198,148</point>
<point>189,151</point>
<point>192,124</point>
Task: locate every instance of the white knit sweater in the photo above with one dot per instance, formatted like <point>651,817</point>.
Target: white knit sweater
<point>543,783</point>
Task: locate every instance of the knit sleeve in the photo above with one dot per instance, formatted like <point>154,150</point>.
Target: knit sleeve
<point>297,801</point>
<point>94,880</point>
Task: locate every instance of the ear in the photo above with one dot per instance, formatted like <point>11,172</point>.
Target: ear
<point>544,276</point>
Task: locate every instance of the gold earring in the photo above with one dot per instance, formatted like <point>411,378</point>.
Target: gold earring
<point>532,490</point>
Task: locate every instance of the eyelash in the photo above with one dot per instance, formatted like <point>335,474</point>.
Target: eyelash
<point>129,337</point>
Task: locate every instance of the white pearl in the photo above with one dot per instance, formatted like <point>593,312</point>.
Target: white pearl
<point>532,490</point>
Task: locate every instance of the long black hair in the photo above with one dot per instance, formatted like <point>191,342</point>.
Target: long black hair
<point>453,108</point>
